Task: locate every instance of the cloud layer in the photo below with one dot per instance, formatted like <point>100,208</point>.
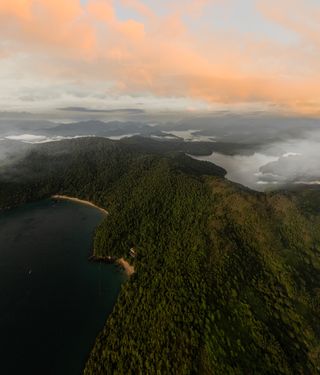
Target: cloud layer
<point>194,49</point>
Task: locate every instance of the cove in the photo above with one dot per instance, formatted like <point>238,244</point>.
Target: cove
<point>53,301</point>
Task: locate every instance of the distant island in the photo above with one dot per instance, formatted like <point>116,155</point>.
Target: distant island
<point>226,280</point>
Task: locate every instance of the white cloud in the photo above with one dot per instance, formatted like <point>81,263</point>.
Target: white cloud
<point>31,138</point>
<point>294,161</point>
<point>290,154</point>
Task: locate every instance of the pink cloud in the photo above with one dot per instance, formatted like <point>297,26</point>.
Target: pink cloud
<point>163,55</point>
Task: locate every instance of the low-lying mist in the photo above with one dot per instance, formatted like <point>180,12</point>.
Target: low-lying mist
<point>258,150</point>
<point>299,161</point>
<point>275,165</point>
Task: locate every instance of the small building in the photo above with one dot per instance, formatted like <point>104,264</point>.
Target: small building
<point>133,252</point>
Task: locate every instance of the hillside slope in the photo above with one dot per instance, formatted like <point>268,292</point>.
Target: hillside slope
<point>227,280</point>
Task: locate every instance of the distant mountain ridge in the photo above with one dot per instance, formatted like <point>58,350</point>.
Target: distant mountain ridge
<point>101,128</point>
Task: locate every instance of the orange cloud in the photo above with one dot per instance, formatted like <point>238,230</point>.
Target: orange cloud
<point>163,55</point>
<point>140,8</point>
<point>101,10</point>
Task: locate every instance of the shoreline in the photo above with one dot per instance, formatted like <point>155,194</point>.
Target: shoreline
<point>81,201</point>
<point>129,269</point>
<point>125,265</point>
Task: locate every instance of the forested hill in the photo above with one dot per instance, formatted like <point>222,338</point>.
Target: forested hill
<point>91,168</point>
<point>227,280</point>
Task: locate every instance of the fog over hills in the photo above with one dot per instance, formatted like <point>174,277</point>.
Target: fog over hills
<point>258,150</point>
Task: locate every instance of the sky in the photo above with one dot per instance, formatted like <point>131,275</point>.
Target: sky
<point>187,55</point>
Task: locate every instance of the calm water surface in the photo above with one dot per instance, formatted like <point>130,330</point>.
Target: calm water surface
<point>53,301</point>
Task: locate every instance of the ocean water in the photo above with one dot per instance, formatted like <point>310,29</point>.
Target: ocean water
<point>53,301</point>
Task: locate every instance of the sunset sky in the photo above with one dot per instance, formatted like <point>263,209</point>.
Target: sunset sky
<point>161,54</point>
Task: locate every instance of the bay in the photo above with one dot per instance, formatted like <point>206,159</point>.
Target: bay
<point>53,301</point>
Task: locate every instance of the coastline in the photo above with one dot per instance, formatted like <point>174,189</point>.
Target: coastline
<point>81,201</point>
<point>125,265</point>
<point>129,269</point>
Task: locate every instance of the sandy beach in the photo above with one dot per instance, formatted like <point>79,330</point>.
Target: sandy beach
<point>81,201</point>
<point>126,265</point>
<point>122,262</point>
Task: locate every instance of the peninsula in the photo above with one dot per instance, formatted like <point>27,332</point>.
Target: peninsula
<point>227,279</point>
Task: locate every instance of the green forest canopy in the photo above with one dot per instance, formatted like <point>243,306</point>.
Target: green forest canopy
<point>227,280</point>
